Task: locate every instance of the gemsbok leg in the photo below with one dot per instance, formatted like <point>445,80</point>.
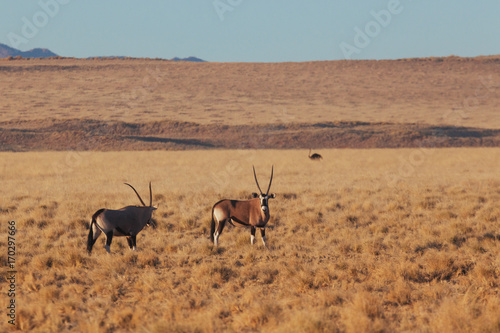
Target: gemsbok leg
<point>252,237</point>
<point>134,242</point>
<point>262,233</point>
<point>109,238</point>
<point>129,241</point>
<point>218,231</point>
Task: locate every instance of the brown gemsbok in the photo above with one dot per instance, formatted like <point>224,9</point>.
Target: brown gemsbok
<point>127,221</point>
<point>253,213</point>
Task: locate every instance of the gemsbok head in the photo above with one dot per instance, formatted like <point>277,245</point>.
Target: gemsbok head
<point>124,222</point>
<point>253,213</point>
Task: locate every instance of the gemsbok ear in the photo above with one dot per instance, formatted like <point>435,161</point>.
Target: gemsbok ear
<point>255,195</point>
<point>273,195</point>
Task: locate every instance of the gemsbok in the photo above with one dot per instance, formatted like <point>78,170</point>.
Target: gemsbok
<point>127,221</point>
<point>253,213</point>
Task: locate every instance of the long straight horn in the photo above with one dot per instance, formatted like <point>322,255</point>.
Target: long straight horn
<point>256,181</point>
<point>142,202</point>
<point>270,181</point>
<point>150,196</point>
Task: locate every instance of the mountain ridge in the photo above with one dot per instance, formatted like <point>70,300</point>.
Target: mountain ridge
<point>7,51</point>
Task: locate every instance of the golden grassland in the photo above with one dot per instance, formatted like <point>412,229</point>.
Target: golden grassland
<point>363,241</point>
<point>439,91</point>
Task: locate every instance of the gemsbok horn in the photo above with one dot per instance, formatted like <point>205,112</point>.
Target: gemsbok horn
<point>253,213</point>
<point>127,221</point>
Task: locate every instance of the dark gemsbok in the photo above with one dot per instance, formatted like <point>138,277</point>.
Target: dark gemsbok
<point>127,221</point>
<point>253,213</point>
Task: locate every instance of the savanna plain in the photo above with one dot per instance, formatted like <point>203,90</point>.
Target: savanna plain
<point>365,240</point>
<point>357,243</point>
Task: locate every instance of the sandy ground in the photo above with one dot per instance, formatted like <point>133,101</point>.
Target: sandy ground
<point>440,91</point>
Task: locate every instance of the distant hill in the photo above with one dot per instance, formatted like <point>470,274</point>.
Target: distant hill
<point>7,51</point>
<point>193,59</point>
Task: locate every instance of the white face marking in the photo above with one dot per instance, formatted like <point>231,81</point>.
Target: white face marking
<point>252,239</point>
<point>264,202</point>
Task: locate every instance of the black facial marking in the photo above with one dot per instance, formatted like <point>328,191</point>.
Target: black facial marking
<point>264,201</point>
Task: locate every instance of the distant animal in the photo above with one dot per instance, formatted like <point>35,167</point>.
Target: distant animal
<point>253,213</point>
<point>124,222</point>
<point>314,156</point>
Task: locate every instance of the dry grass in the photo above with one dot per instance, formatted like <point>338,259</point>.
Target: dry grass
<point>360,242</point>
<point>450,91</point>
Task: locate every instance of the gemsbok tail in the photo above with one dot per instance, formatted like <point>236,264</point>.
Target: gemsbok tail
<point>90,239</point>
<point>212,226</point>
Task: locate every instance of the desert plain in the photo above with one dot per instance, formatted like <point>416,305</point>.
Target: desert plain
<point>396,229</point>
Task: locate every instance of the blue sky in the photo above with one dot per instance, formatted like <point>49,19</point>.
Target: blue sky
<point>254,30</point>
